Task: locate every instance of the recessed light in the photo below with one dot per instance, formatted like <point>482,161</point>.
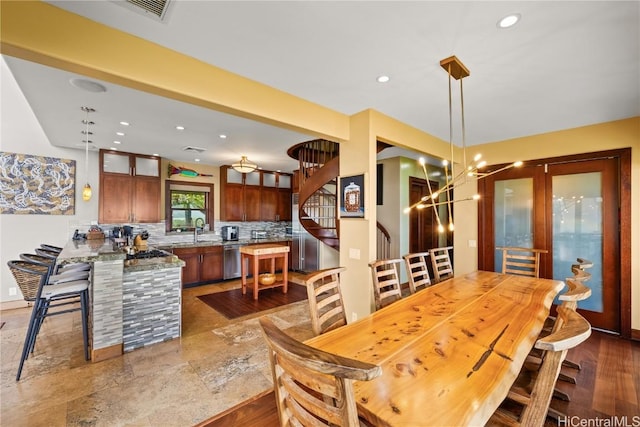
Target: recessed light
<point>222,136</point>
<point>180,127</point>
<point>124,123</point>
<point>197,160</point>
<point>88,85</point>
<point>156,154</point>
<point>509,20</point>
<point>113,148</point>
<point>120,133</point>
<point>116,142</point>
<point>383,79</point>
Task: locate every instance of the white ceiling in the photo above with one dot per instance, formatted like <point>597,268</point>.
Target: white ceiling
<point>565,64</point>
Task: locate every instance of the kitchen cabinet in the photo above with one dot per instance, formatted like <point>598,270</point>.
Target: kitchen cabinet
<point>129,188</point>
<point>275,202</point>
<point>239,195</point>
<point>202,264</point>
<point>255,196</point>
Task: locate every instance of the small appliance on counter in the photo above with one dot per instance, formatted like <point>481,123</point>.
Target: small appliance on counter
<point>258,234</point>
<point>229,232</point>
<point>140,241</point>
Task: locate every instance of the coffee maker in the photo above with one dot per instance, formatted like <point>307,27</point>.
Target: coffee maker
<point>229,232</point>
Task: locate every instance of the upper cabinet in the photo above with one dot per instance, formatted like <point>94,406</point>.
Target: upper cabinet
<point>275,202</point>
<point>255,196</point>
<point>129,187</point>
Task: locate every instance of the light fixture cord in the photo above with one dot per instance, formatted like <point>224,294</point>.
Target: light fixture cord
<point>86,145</point>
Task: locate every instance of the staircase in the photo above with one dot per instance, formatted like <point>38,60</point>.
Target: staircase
<point>317,200</point>
<point>318,191</point>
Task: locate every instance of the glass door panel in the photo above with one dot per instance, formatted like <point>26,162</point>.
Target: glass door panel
<point>577,230</point>
<point>513,215</point>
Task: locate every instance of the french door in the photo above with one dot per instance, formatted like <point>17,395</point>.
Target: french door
<point>569,208</point>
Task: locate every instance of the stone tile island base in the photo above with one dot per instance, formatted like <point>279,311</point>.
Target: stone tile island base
<point>134,303</point>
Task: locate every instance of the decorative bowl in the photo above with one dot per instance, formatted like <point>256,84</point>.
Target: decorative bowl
<point>267,278</point>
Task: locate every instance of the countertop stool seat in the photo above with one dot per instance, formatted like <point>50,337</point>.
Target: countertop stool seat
<point>51,254</point>
<point>48,300</point>
<point>62,275</point>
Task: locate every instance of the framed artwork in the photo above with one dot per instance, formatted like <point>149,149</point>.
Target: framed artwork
<point>352,196</point>
<point>36,185</point>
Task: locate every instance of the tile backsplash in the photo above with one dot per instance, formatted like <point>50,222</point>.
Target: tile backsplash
<point>158,235</point>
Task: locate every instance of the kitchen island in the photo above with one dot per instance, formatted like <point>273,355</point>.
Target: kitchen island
<point>133,303</point>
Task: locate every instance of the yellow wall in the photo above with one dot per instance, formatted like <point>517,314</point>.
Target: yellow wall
<point>42,33</point>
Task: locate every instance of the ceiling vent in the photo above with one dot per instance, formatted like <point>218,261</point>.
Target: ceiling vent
<point>156,9</point>
<point>193,149</point>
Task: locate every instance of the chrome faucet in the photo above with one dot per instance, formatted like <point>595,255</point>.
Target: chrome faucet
<point>195,235</point>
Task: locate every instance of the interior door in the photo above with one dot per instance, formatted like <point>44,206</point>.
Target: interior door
<point>568,208</point>
<point>423,233</point>
<point>582,200</point>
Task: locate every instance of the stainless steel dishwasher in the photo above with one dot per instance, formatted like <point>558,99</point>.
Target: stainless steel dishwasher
<point>231,261</point>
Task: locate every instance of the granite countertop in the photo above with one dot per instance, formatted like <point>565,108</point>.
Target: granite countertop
<point>156,263</point>
<point>108,250</point>
<point>90,250</point>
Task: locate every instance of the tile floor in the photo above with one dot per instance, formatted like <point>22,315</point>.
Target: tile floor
<point>216,364</point>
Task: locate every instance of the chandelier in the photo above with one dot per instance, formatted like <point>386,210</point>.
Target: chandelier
<point>469,171</point>
<point>244,165</point>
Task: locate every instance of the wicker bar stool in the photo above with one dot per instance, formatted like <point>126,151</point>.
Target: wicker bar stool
<point>54,256</point>
<point>47,301</point>
<point>51,248</point>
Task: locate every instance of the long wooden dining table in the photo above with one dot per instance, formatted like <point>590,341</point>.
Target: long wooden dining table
<point>449,353</point>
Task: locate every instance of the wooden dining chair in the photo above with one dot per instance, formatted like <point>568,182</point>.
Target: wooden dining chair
<point>313,387</point>
<point>441,263</point>
<point>534,388</point>
<point>417,272</point>
<point>386,281</point>
<point>325,300</point>
<point>521,261</point>
<point>577,292</point>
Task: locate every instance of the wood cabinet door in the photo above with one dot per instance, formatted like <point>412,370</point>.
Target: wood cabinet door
<point>146,199</point>
<point>212,267</point>
<point>284,205</point>
<point>191,269</point>
<point>269,204</point>
<point>232,203</point>
<point>252,203</point>
<point>115,198</point>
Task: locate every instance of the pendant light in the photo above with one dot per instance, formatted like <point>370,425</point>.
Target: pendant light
<point>86,190</point>
<point>244,165</point>
<point>456,70</point>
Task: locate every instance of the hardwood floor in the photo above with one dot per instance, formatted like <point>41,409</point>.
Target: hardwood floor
<point>607,387</point>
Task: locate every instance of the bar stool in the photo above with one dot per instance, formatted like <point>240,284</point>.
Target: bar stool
<point>32,278</point>
<point>64,274</point>
<point>51,248</point>
<point>54,256</point>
